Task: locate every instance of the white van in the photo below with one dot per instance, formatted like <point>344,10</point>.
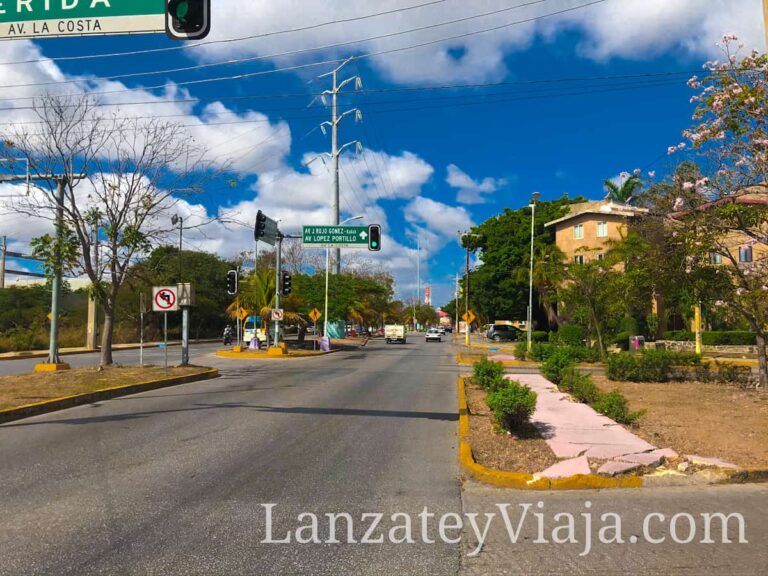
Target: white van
<point>394,333</point>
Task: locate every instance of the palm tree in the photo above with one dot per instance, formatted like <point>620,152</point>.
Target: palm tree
<point>549,274</point>
<point>625,191</point>
<point>257,297</point>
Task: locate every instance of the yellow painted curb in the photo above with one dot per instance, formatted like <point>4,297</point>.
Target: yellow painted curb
<point>268,354</point>
<point>27,410</point>
<point>52,367</point>
<point>523,480</point>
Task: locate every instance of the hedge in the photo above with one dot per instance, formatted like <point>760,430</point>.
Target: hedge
<point>647,366</point>
<point>720,338</point>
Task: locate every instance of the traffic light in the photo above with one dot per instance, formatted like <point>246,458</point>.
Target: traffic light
<point>286,284</point>
<point>374,238</point>
<point>261,225</point>
<point>232,282</point>
<point>187,19</point>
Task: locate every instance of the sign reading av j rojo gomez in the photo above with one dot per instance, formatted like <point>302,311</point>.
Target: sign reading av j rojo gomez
<point>53,18</point>
<point>335,237</point>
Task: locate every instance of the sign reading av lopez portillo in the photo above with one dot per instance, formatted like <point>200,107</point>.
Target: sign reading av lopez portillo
<point>53,18</point>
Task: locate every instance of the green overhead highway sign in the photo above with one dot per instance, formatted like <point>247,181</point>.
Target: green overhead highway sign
<point>355,237</point>
<point>52,18</point>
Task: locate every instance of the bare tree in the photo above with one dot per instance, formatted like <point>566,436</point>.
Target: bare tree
<point>133,172</point>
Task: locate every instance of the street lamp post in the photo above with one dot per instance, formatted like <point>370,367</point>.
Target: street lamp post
<point>529,321</point>
<point>327,273</point>
<point>176,219</point>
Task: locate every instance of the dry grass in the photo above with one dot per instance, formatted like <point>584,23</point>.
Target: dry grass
<point>497,449</point>
<point>707,419</point>
<point>36,387</point>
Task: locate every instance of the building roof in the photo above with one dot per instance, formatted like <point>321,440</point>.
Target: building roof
<point>604,207</point>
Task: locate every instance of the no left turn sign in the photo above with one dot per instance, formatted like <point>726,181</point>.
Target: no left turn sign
<point>165,299</point>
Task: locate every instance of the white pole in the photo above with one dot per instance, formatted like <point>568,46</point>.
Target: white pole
<point>530,280</point>
<point>141,329</point>
<point>165,339</point>
<point>327,271</point>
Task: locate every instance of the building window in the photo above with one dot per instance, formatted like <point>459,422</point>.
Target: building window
<point>578,232</point>
<point>601,257</point>
<point>602,229</point>
<point>745,254</point>
<point>715,258</point>
<point>579,259</point>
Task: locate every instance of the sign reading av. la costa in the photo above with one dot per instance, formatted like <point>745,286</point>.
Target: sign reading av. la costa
<point>52,18</point>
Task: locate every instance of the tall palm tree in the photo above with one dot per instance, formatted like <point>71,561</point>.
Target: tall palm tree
<point>549,274</point>
<point>257,297</point>
<point>625,191</point>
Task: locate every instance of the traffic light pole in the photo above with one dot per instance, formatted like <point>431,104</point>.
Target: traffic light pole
<point>278,276</point>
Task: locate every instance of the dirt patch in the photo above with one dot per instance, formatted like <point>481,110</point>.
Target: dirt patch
<point>706,419</point>
<point>35,387</point>
<point>497,449</point>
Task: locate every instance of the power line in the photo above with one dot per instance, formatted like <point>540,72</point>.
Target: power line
<point>638,84</point>
<point>224,41</point>
<point>333,61</point>
<point>299,51</point>
<point>425,88</point>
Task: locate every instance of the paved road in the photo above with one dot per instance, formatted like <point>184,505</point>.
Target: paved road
<point>174,482</point>
<point>198,354</point>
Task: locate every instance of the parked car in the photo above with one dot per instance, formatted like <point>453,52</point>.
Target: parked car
<point>441,329</point>
<point>499,332</point>
<point>433,334</point>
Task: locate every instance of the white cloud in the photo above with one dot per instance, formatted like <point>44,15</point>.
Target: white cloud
<point>634,29</point>
<point>471,191</point>
<point>441,219</point>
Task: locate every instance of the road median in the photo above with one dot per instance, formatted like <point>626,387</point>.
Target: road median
<point>132,380</point>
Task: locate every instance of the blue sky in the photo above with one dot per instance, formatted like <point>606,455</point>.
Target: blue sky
<point>436,160</point>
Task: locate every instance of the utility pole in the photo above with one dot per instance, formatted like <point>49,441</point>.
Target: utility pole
<point>91,336</point>
<point>336,150</point>
<point>418,268</point>
<point>52,362</point>
<point>466,301</point>
<point>456,300</point>
<point>765,17</point>
<point>529,324</point>
<point>278,276</point>
<point>3,248</point>
<point>176,219</point>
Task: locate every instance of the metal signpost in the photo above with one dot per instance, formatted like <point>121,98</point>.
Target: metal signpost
<point>165,299</point>
<point>351,237</point>
<point>30,19</point>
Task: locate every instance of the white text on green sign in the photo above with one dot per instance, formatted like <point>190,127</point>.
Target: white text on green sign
<point>335,237</point>
<point>51,18</point>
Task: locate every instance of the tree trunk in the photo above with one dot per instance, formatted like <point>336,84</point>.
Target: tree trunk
<point>599,335</point>
<point>762,361</point>
<point>106,336</point>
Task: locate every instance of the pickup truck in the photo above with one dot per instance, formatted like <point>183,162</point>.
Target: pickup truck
<point>394,333</point>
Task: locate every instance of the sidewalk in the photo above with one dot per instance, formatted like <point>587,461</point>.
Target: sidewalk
<point>83,350</point>
<point>576,432</point>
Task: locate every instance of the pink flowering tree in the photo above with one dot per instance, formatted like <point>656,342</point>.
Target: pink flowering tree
<point>727,209</point>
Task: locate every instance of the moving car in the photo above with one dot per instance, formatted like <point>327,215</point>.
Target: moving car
<point>394,333</point>
<point>499,332</point>
<point>441,329</point>
<point>434,334</point>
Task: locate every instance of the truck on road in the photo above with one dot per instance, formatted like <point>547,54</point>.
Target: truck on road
<point>394,333</point>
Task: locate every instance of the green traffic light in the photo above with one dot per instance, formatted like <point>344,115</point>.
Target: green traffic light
<point>182,9</point>
<point>374,244</point>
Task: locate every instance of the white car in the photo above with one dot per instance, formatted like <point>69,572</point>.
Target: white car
<point>433,334</point>
<point>441,329</point>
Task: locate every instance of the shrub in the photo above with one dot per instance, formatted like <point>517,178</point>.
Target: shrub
<point>652,322</point>
<point>629,325</point>
<point>732,338</point>
<point>541,351</point>
<point>568,335</point>
<point>512,405</point>
<point>521,350</point>
<point>488,375</point>
<point>561,359</point>
<point>649,366</point>
<point>679,336</point>
<point>614,405</point>
<point>539,336</point>
<point>579,385</point>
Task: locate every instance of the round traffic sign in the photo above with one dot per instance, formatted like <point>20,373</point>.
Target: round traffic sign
<point>165,299</point>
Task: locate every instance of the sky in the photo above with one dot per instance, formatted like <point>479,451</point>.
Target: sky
<point>467,109</point>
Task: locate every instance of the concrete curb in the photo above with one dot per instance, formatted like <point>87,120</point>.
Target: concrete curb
<point>526,481</point>
<point>19,412</point>
<point>262,356</point>
<point>78,351</point>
